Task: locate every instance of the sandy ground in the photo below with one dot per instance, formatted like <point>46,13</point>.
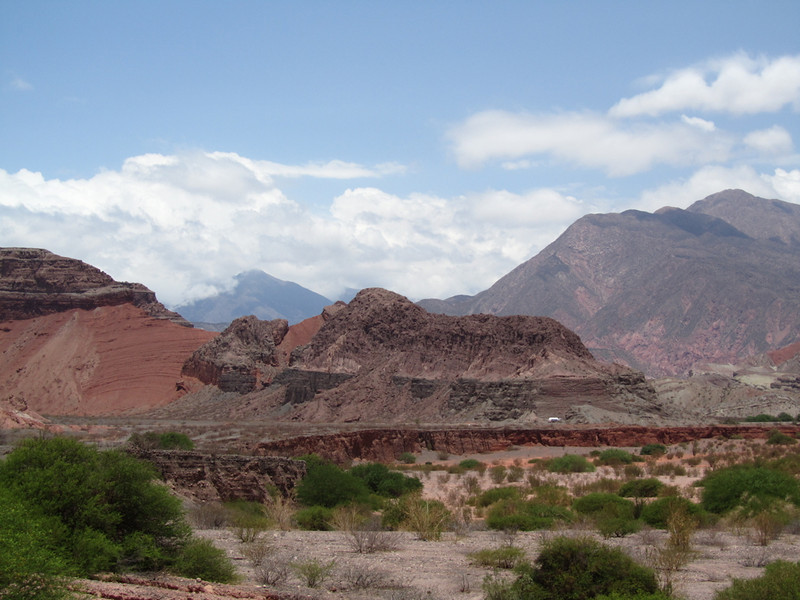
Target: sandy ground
<point>441,570</point>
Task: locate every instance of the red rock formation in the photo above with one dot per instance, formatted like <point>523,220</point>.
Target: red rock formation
<point>387,444</point>
<point>109,360</point>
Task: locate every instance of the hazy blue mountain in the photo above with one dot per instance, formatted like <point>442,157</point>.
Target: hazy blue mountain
<point>256,293</point>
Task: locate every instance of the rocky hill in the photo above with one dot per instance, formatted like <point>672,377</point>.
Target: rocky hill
<point>382,358</point>
<point>718,282</point>
<point>74,341</point>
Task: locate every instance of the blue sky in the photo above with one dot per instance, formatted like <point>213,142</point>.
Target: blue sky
<point>425,147</point>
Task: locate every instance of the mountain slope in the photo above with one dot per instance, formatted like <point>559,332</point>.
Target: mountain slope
<point>259,294</point>
<point>662,291</point>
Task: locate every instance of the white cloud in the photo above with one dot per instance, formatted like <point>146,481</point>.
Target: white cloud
<point>699,123</point>
<point>587,140</point>
<point>775,140</point>
<point>184,225</point>
<point>784,185</point>
<point>735,84</point>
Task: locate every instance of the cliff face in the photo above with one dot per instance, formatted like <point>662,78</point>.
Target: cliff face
<point>35,282</point>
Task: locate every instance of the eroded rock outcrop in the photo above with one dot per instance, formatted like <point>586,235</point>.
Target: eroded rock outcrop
<point>382,358</point>
<point>209,477</point>
<point>36,282</point>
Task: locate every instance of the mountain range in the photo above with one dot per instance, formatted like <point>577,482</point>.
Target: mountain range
<point>717,282</point>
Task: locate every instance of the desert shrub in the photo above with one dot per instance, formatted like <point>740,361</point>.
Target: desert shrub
<point>313,572</point>
<point>725,489</point>
<point>779,438</point>
<point>327,485</point>
<point>497,474</point>
<point>761,418</point>
<point>199,558</point>
<point>105,509</point>
<point>557,495</point>
<point>657,513</point>
<point>359,577</point>
<point>407,458</point>
<point>610,485</point>
<point>248,519</point>
<point>504,557</point>
<point>427,518</point>
<point>384,482</point>
<point>471,464</point>
<point>273,570</point>
<point>780,581</point>
<point>668,469</point>
<point>641,488</point>
<point>598,501</point>
<point>615,456</point>
<point>521,515</point>
<point>314,518</point>
<point>579,569</point>
<point>170,440</point>
<point>515,473</point>
<point>570,463</point>
<point>493,495</point>
<point>653,450</point>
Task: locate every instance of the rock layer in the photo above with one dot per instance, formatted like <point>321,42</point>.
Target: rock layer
<point>387,444</point>
<point>36,282</point>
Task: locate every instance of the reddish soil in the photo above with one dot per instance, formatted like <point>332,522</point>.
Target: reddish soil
<point>109,360</point>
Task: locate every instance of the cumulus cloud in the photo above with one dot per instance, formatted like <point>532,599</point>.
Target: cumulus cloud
<point>735,84</point>
<point>184,225</point>
<point>587,140</point>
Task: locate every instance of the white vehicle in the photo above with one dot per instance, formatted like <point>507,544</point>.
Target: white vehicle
<point>554,420</point>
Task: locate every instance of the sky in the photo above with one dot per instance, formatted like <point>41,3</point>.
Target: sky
<point>424,147</point>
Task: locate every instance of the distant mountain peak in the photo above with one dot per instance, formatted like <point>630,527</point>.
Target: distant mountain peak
<point>260,294</point>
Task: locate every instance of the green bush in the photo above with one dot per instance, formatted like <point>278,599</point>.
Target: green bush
<point>641,488</point>
<point>780,581</point>
<point>653,450</point>
<point>599,501</point>
<point>407,458</point>
<point>32,566</point>
<point>521,515</point>
<point>504,557</point>
<point>199,558</point>
<point>580,569</point>
<point>327,485</point>
<point>427,518</point>
<point>314,518</point>
<point>615,456</point>
<point>105,509</point>
<point>493,495</point>
<point>779,438</point>
<point>657,513</point>
<point>570,463</point>
<point>727,488</point>
<point>384,482</point>
<point>471,464</point>
<point>170,440</point>
<point>761,418</point>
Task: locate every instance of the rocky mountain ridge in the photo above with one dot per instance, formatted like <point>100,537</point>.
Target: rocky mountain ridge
<point>717,282</point>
